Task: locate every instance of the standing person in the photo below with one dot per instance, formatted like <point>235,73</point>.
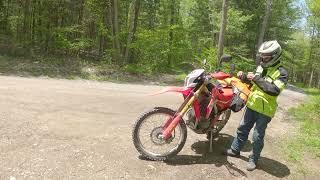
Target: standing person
<point>268,81</point>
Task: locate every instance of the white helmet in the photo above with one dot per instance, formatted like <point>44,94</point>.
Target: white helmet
<point>269,52</point>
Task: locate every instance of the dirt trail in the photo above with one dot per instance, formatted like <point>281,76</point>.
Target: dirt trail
<point>61,129</point>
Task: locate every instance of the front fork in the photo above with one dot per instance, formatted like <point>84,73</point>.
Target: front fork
<point>170,125</point>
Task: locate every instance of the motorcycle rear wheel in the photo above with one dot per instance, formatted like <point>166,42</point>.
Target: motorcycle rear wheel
<point>155,131</point>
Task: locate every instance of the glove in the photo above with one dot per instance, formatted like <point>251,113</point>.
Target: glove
<point>259,71</point>
<point>240,73</point>
<point>250,76</point>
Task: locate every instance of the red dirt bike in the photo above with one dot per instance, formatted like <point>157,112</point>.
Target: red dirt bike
<point>208,100</point>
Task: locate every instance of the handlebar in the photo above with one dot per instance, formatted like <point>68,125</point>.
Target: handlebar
<point>207,77</point>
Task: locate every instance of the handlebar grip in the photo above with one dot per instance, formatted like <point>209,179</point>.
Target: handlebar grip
<point>208,77</point>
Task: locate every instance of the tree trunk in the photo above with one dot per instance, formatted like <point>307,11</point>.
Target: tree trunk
<point>33,26</point>
<point>47,37</point>
<point>311,78</point>
<point>172,22</point>
<point>132,26</point>
<point>318,81</point>
<point>110,24</point>
<point>214,35</point>
<point>101,45</point>
<point>39,31</point>
<point>116,30</point>
<point>81,12</point>
<point>5,9</point>
<point>264,26</point>
<point>7,14</point>
<point>310,55</point>
<point>305,79</point>
<point>26,24</point>
<point>224,18</point>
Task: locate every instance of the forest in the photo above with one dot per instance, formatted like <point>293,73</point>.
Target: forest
<point>165,36</point>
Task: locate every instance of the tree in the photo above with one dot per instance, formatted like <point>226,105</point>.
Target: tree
<point>116,30</point>
<point>264,25</point>
<point>314,55</point>
<point>150,36</point>
<point>224,16</point>
<point>132,26</point>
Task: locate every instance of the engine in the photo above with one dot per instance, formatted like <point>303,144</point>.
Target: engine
<point>204,123</point>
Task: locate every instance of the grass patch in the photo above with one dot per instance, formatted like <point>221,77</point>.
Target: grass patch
<point>307,139</point>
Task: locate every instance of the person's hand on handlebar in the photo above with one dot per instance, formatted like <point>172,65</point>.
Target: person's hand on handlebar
<point>250,76</point>
<point>240,74</point>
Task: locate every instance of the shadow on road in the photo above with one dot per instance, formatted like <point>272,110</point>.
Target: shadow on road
<point>272,167</point>
<point>217,158</point>
<point>204,157</point>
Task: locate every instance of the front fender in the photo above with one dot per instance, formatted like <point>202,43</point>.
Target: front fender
<point>181,90</point>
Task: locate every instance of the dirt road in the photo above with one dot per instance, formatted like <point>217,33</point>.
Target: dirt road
<point>61,129</point>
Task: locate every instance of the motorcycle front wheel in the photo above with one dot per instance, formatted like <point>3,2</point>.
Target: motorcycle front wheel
<point>147,131</point>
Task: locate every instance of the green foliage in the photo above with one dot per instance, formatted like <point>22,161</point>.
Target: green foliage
<point>63,39</point>
<point>210,54</point>
<point>157,53</point>
<point>284,16</point>
<point>199,24</point>
<point>136,69</point>
<point>296,55</point>
<point>314,7</point>
<point>244,64</point>
<point>236,32</point>
<point>165,36</point>
<point>152,48</point>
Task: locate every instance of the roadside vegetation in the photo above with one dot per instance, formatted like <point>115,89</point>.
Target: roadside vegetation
<point>150,38</point>
<point>306,142</point>
<point>80,68</point>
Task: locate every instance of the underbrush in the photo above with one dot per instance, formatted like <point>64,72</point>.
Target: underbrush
<point>77,68</point>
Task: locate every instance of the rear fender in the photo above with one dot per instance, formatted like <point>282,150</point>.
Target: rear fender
<point>181,90</point>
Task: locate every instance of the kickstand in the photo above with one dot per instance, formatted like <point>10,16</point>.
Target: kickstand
<point>211,139</point>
